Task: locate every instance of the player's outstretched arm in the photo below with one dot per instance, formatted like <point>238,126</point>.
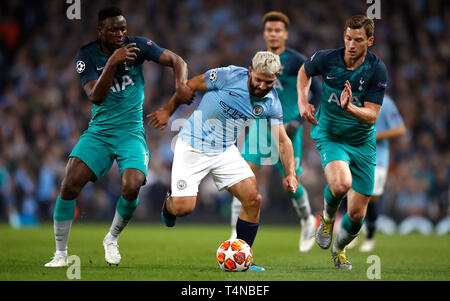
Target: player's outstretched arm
<point>286,156</point>
<point>391,133</point>
<point>180,69</point>
<point>97,90</point>
<point>306,109</point>
<point>160,119</point>
<point>367,114</point>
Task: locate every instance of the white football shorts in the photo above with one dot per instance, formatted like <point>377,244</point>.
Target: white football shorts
<point>190,166</point>
<point>380,180</point>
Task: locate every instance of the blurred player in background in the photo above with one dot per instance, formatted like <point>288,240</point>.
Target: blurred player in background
<point>206,143</point>
<point>276,26</point>
<point>110,71</point>
<point>389,126</point>
<point>353,86</point>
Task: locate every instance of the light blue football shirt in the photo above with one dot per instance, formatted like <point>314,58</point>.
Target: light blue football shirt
<point>226,109</point>
<point>388,118</point>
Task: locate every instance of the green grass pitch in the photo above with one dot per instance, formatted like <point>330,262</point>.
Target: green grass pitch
<point>152,252</point>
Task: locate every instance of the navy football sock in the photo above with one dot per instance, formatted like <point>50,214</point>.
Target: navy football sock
<point>246,231</point>
<point>371,219</point>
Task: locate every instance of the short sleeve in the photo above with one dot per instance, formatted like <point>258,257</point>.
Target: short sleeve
<point>377,85</point>
<point>85,67</point>
<point>313,65</point>
<point>149,49</point>
<point>217,78</point>
<point>394,119</point>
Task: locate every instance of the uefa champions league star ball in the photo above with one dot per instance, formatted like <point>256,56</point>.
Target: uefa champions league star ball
<point>234,255</point>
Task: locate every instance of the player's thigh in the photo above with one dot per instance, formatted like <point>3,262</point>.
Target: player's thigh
<point>255,168</point>
<point>77,175</point>
<point>189,167</point>
<point>245,190</point>
<point>357,205</point>
<point>339,177</point>
<point>93,151</point>
<point>130,149</point>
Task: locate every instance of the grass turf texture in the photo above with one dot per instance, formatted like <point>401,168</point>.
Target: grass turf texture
<point>187,253</point>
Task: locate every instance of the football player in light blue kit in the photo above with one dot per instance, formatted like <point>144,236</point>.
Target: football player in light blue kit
<point>234,97</point>
<point>276,26</point>
<point>389,126</point>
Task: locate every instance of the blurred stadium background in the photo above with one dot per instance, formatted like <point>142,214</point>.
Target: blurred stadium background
<point>43,109</point>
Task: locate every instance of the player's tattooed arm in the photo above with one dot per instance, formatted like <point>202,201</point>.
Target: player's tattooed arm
<point>180,69</point>
<point>97,90</point>
<point>306,109</point>
<point>286,156</point>
<point>367,114</point>
<point>160,119</point>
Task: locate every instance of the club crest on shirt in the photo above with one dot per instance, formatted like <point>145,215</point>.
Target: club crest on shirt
<point>80,66</point>
<point>181,184</point>
<point>258,110</point>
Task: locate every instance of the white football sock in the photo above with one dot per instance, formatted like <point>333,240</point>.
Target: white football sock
<point>62,231</point>
<point>118,224</point>
<point>235,211</point>
<point>302,206</point>
<point>343,238</point>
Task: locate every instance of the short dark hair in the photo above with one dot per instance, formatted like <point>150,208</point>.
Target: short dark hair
<point>276,16</point>
<point>108,12</point>
<point>358,21</point>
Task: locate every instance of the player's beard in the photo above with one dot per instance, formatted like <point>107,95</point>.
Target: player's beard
<point>254,90</point>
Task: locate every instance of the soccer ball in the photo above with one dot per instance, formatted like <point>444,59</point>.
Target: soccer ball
<point>234,255</point>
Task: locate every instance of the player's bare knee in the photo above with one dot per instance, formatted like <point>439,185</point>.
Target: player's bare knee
<point>253,202</point>
<point>130,190</point>
<point>340,189</point>
<point>181,207</point>
<point>69,190</point>
<point>182,210</point>
<point>356,215</point>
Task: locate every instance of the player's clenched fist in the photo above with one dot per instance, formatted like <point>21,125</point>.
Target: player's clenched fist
<point>124,54</point>
<point>290,184</point>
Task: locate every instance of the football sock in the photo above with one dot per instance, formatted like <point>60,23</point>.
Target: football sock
<point>300,201</point>
<point>235,210</point>
<point>124,212</point>
<point>62,221</point>
<point>246,231</point>
<point>371,218</point>
<point>331,204</point>
<point>347,232</point>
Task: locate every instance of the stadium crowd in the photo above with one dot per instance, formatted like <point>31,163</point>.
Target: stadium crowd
<point>43,109</point>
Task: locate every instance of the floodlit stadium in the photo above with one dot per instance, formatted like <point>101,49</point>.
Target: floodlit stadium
<point>96,104</point>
